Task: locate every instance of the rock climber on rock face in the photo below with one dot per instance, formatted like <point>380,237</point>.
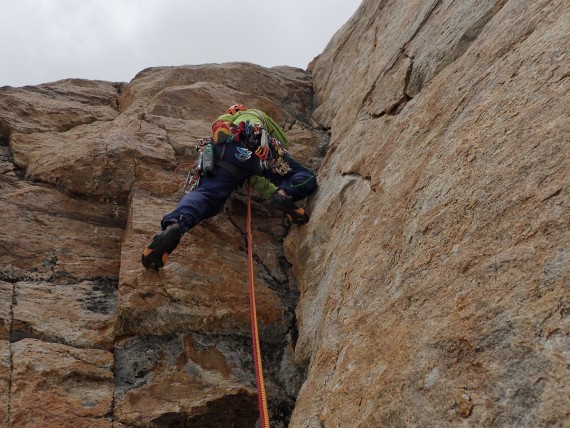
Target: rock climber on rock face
<point>246,143</point>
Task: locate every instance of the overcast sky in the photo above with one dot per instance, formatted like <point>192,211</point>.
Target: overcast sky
<point>48,40</point>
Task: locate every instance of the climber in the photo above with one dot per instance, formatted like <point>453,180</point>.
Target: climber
<point>240,113</point>
<point>242,150</point>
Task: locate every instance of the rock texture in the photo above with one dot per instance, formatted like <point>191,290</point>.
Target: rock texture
<point>89,337</point>
<point>430,288</point>
<point>435,271</point>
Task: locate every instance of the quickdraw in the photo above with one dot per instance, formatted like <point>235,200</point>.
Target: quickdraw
<point>271,152</point>
<point>263,150</point>
<point>192,179</point>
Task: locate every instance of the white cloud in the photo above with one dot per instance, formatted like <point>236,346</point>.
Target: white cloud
<point>47,40</point>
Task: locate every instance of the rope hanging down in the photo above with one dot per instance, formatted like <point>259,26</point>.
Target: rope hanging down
<point>261,397</point>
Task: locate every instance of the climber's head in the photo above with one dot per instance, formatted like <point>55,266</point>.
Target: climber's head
<point>235,108</point>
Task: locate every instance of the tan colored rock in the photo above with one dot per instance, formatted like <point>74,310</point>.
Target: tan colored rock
<point>5,372</point>
<point>56,237</point>
<point>80,315</point>
<point>184,380</point>
<point>71,183</point>
<point>6,295</point>
<point>57,106</point>
<point>55,385</point>
<point>434,272</point>
<point>203,289</point>
<point>98,159</point>
<point>275,90</point>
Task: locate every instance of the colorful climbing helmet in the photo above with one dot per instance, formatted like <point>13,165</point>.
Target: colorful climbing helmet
<point>235,108</point>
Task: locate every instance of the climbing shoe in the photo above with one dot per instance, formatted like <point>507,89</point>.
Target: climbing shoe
<point>294,213</point>
<point>155,255</point>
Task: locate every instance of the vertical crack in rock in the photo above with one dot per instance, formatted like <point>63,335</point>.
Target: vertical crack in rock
<point>6,155</point>
<point>397,108</point>
<point>274,354</point>
<point>119,87</point>
<point>423,22</point>
<point>470,35</point>
<point>385,97</point>
<point>5,132</point>
<point>51,263</point>
<point>280,287</point>
<point>402,51</point>
<point>111,414</point>
<point>240,230</point>
<point>10,355</point>
<point>394,67</point>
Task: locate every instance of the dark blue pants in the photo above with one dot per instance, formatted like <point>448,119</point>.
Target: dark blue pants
<point>209,198</point>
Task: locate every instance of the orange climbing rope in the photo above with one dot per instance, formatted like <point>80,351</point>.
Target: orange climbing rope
<point>261,397</point>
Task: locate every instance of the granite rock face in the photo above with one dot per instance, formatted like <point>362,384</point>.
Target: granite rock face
<point>430,288</point>
<point>435,271</point>
<point>88,169</point>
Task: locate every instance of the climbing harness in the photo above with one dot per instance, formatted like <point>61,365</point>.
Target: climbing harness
<point>205,164</point>
<point>253,139</point>
<point>261,397</point>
